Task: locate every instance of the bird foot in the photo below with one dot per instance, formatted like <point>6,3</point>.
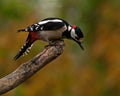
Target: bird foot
<point>52,43</point>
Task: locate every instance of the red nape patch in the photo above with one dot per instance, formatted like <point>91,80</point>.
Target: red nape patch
<point>74,26</point>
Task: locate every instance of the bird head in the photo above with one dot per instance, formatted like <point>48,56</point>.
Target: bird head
<point>77,35</point>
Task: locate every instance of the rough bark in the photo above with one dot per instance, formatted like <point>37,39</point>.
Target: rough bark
<point>26,70</point>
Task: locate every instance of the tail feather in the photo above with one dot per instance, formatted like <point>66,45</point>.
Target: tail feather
<point>24,50</point>
<point>27,46</point>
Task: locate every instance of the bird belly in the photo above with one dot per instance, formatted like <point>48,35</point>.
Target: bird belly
<point>50,35</point>
<point>47,35</point>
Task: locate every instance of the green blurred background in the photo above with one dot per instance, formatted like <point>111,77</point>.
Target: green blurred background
<point>93,72</point>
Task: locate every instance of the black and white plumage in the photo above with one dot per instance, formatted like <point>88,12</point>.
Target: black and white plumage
<point>48,30</point>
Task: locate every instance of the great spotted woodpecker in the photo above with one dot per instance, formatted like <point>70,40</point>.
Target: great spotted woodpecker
<point>50,29</point>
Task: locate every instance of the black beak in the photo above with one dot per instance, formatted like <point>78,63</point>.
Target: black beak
<point>80,44</point>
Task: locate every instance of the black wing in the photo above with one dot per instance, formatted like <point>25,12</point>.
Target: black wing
<point>53,25</point>
<point>46,24</point>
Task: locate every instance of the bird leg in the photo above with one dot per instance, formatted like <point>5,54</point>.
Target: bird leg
<point>53,43</point>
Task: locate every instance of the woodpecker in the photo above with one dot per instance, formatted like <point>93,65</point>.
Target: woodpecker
<point>49,30</point>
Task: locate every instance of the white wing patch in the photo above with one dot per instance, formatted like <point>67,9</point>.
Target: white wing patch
<point>69,28</point>
<point>46,21</point>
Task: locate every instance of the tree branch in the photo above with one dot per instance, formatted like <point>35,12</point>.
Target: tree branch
<point>26,70</point>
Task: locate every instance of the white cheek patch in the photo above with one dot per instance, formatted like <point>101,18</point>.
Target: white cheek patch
<point>69,28</point>
<point>73,34</point>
